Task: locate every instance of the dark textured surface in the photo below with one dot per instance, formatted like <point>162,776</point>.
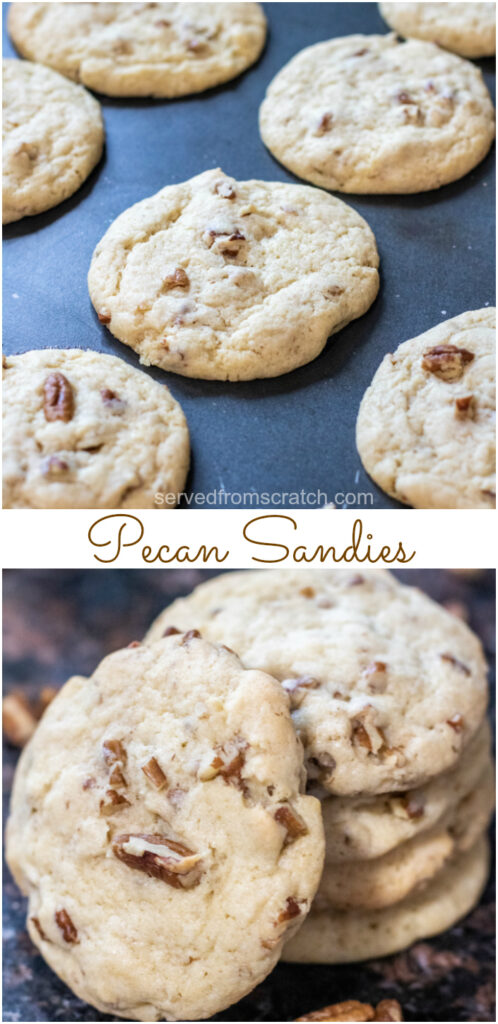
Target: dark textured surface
<point>295,432</point>
<point>60,623</point>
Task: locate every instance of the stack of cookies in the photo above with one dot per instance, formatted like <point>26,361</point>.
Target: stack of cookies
<point>160,825</point>
<point>388,694</point>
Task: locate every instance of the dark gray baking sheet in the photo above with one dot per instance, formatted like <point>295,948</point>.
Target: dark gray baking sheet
<point>57,623</point>
<point>294,433</point>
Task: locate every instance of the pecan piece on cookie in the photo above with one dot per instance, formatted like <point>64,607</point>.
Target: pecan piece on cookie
<point>325,124</point>
<point>177,279</point>
<point>447,361</point>
<point>154,773</point>
<point>58,398</point>
<point>113,751</point>
<point>292,822</point>
<point>159,857</point>
<point>113,802</point>
<point>465,407</point>
<point>68,929</point>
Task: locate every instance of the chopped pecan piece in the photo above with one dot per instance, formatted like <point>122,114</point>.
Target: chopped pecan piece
<point>178,279</point>
<point>447,361</point>
<point>18,721</point>
<point>39,929</point>
<point>58,398</point>
<point>110,397</point>
<point>290,911</point>
<point>301,683</point>
<point>191,634</point>
<point>407,805</point>
<point>104,317</point>
<point>465,408</point>
<point>116,778</point>
<point>325,124</point>
<point>361,53</point>
<point>456,663</point>
<point>225,190</point>
<point>365,731</point>
<point>113,751</point>
<point>171,631</point>
<point>227,243</point>
<point>162,23</point>
<point>153,771</point>
<point>63,921</point>
<point>456,722</point>
<point>159,857</point>
<point>228,762</point>
<point>134,643</point>
<point>113,802</point>
<point>292,822</point>
<point>307,592</point>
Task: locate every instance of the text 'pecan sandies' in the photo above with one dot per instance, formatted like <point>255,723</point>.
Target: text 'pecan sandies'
<point>58,398</point>
<point>159,857</point>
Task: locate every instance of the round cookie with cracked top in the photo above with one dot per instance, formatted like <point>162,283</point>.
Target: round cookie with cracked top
<point>233,280</point>
<point>372,114</point>
<point>53,137</point>
<point>467,29</point>
<point>158,828</point>
<point>86,430</point>
<point>141,49</point>
<point>383,881</point>
<point>358,829</point>
<point>426,427</point>
<point>349,935</point>
<point>386,687</point>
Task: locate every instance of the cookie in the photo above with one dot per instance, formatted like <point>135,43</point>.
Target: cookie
<point>386,687</point>
<point>426,427</point>
<point>367,827</point>
<point>369,114</point>
<point>53,136</point>
<point>171,851</point>
<point>133,49</point>
<point>346,936</point>
<point>467,29</point>
<point>229,280</point>
<point>383,881</point>
<point>85,430</point>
